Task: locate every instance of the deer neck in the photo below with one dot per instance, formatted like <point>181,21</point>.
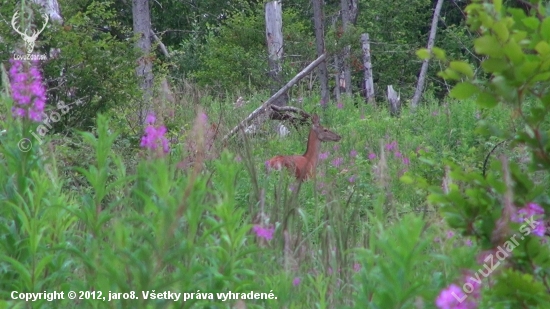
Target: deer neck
<point>313,148</point>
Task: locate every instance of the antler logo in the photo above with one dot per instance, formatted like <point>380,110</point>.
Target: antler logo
<point>29,39</point>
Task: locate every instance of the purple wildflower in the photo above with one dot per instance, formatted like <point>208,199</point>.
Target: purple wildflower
<point>356,267</point>
<point>372,156</point>
<point>337,162</point>
<point>266,233</point>
<point>324,155</point>
<point>353,153</point>
<point>352,179</point>
<point>453,298</point>
<point>406,161</point>
<point>434,113</point>
<point>450,234</point>
<point>468,242</point>
<point>340,105</point>
<point>336,147</point>
<point>540,229</point>
<point>535,212</point>
<point>397,154</point>
<point>296,281</point>
<point>28,92</point>
<point>391,146</point>
<point>320,185</point>
<point>238,159</point>
<point>154,136</point>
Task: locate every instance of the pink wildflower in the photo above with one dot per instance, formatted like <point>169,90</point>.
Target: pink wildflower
<point>154,136</point>
<point>266,233</point>
<point>353,153</point>
<point>454,298</point>
<point>372,156</point>
<point>296,281</point>
<point>337,162</point>
<point>391,146</point>
<point>324,155</point>
<point>28,91</point>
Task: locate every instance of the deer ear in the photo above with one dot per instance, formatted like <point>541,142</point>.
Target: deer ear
<point>315,119</point>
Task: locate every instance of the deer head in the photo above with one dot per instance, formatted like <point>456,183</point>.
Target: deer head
<point>323,134</point>
<point>29,40</point>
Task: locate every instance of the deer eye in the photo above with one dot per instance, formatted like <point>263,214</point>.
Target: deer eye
<point>326,130</point>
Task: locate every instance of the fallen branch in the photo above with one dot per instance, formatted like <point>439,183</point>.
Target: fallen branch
<point>274,97</point>
<point>161,45</point>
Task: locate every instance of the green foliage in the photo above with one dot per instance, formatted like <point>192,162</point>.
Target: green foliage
<point>517,59</point>
<point>237,51</point>
<point>99,67</point>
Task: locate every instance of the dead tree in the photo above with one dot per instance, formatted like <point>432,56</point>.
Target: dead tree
<point>274,38</point>
<point>368,83</point>
<point>424,69</point>
<point>144,70</point>
<point>394,100</point>
<point>318,18</point>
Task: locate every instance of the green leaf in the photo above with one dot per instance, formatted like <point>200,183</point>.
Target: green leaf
<point>531,22</point>
<point>463,91</point>
<point>514,52</point>
<point>543,48</point>
<point>492,65</point>
<point>449,74</point>
<point>545,29</point>
<point>462,67</point>
<point>498,5</point>
<point>439,53</point>
<point>501,30</point>
<point>423,54</point>
<point>485,99</point>
<point>488,45</point>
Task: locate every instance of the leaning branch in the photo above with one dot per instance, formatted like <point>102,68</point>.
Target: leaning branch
<point>267,103</point>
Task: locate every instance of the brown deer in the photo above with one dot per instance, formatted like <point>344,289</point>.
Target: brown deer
<point>304,166</point>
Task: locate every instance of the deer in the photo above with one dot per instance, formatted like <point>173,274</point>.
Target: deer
<point>304,166</point>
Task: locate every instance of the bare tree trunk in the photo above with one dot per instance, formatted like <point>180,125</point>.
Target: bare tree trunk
<point>51,7</point>
<point>395,101</point>
<point>142,27</point>
<point>345,55</point>
<point>274,36</point>
<point>318,19</point>
<point>337,78</point>
<point>368,83</point>
<point>424,69</point>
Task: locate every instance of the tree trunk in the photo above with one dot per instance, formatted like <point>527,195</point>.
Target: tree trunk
<point>395,101</point>
<point>346,53</point>
<point>337,78</point>
<point>274,37</point>
<point>318,19</point>
<point>51,7</point>
<point>368,83</point>
<point>142,27</point>
<point>424,69</point>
